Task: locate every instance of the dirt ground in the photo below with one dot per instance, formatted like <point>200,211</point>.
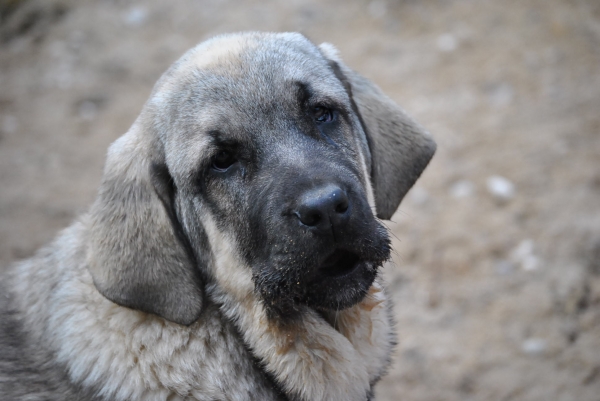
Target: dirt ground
<point>496,279</point>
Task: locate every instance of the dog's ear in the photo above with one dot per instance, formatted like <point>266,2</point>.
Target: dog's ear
<point>400,148</point>
<point>138,255</point>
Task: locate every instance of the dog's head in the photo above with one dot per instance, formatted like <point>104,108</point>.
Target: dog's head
<point>280,147</point>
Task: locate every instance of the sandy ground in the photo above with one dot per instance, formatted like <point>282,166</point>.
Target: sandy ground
<point>497,292</point>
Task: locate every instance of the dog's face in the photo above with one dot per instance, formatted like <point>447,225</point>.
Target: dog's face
<point>263,135</point>
<point>272,151</point>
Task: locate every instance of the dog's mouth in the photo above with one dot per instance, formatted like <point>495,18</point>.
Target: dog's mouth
<point>337,281</point>
<point>339,263</point>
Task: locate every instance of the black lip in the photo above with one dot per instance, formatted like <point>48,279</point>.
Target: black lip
<point>339,263</point>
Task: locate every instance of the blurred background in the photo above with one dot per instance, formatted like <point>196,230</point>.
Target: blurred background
<point>496,274</point>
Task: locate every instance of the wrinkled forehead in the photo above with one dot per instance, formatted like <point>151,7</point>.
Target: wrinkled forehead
<point>248,71</point>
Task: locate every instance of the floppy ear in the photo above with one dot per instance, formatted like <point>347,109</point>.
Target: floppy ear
<point>138,255</point>
<point>400,148</point>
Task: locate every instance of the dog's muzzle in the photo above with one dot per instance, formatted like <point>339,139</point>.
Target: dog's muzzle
<point>328,245</point>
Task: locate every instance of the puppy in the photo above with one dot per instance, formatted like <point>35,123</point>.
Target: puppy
<point>233,250</point>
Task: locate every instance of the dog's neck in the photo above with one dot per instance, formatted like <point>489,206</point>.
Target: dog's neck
<point>338,356</point>
<point>125,354</point>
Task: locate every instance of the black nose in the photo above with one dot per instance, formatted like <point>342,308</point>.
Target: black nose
<point>323,208</point>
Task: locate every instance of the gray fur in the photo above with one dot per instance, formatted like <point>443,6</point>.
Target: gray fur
<point>164,289</point>
<point>142,267</point>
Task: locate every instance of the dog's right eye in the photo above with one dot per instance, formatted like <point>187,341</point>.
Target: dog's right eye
<point>223,160</point>
<point>322,114</point>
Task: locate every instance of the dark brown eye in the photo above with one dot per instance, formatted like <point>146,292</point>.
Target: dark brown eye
<point>322,114</point>
<point>223,160</point>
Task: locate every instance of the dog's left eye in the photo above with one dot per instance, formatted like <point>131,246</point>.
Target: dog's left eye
<point>322,114</point>
<point>223,160</point>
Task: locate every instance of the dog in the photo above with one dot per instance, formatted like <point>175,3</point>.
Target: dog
<point>233,250</point>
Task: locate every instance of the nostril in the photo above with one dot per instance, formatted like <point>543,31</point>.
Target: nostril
<point>339,201</point>
<point>342,206</point>
<point>310,219</point>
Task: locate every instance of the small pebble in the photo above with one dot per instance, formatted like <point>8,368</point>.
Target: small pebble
<point>530,262</point>
<point>534,346</point>
<point>524,255</point>
<point>447,43</point>
<point>500,187</point>
<point>136,16</point>
<point>524,248</point>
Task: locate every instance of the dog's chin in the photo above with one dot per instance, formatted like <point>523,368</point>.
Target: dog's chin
<point>342,280</point>
<point>333,281</point>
